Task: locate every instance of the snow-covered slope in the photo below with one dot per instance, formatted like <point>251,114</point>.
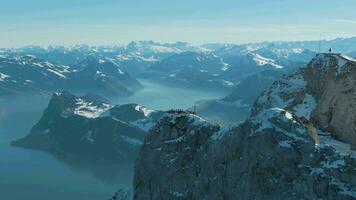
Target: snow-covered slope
<point>151,47</point>
<point>345,45</point>
<point>27,74</point>
<point>266,55</point>
<point>193,69</point>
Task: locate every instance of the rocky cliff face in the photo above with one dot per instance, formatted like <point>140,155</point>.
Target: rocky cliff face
<point>90,126</point>
<point>335,90</point>
<point>324,92</point>
<point>272,155</point>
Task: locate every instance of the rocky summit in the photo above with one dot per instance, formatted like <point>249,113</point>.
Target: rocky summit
<point>323,92</point>
<point>295,145</point>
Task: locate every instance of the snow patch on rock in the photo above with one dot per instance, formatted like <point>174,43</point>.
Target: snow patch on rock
<point>143,109</point>
<point>89,109</point>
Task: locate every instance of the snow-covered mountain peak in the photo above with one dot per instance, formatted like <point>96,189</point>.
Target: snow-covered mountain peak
<point>323,92</point>
<point>328,62</point>
<point>263,61</point>
<point>146,112</point>
<point>151,47</point>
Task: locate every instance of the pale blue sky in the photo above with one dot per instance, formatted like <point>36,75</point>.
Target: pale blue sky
<point>110,22</point>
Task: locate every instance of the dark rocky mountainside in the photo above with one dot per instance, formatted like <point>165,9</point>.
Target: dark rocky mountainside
<point>89,126</point>
<point>270,156</point>
<point>282,151</point>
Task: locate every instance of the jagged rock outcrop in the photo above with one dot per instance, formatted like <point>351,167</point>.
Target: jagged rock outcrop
<point>90,126</point>
<point>270,156</point>
<point>324,92</point>
<point>274,154</point>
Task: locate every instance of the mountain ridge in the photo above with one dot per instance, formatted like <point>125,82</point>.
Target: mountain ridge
<point>279,152</point>
<point>90,126</point>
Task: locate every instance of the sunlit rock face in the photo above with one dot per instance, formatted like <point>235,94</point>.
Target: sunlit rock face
<point>272,155</point>
<point>90,126</point>
<point>332,79</point>
<point>324,92</point>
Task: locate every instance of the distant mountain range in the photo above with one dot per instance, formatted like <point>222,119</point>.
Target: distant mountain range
<point>113,71</point>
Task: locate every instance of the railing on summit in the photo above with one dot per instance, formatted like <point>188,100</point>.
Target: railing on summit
<point>180,111</point>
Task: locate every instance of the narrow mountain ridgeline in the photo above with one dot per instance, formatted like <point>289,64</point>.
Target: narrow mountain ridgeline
<point>27,75</point>
<point>289,148</point>
<point>91,127</point>
<point>104,75</point>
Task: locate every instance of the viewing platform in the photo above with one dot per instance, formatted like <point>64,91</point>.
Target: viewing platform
<point>180,112</point>
<point>340,56</point>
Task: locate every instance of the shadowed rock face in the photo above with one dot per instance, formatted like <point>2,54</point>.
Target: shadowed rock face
<point>270,156</point>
